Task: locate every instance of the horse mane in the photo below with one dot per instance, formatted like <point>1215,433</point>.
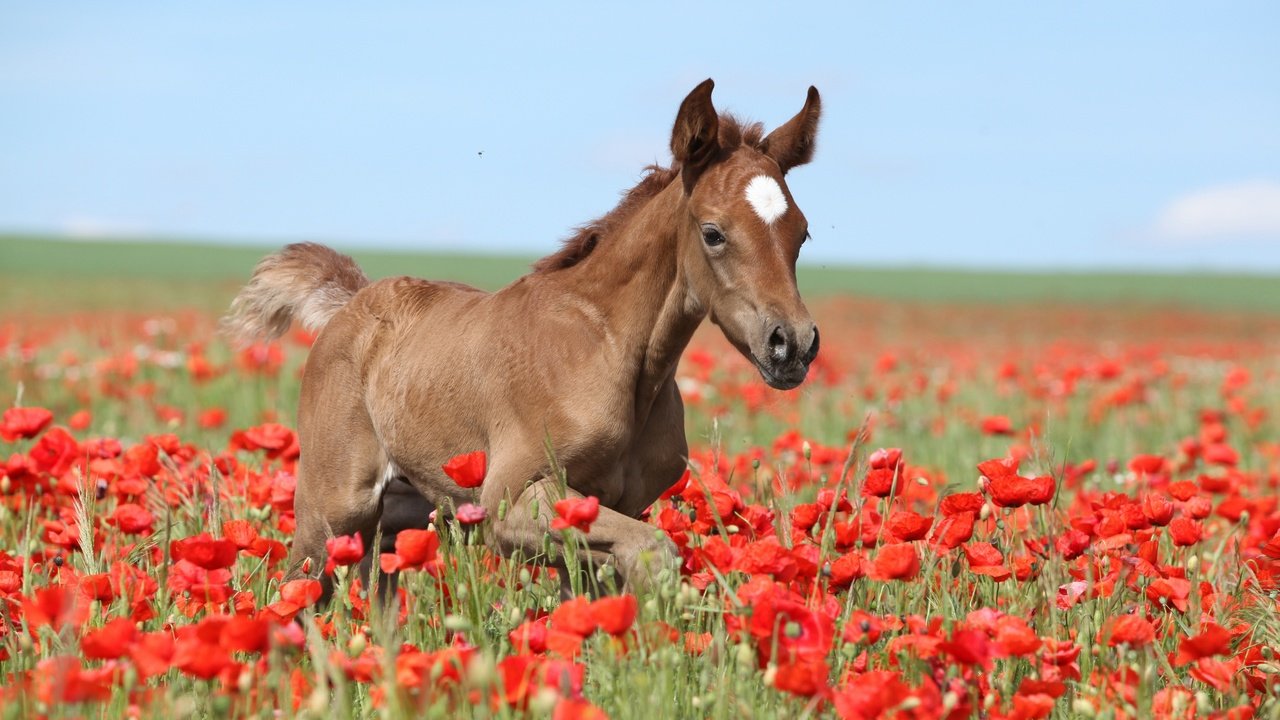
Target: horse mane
<point>734,133</point>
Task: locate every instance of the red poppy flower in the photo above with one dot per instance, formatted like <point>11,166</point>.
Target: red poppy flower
<point>805,676</point>
<point>1213,640</point>
<point>998,468</point>
<point>1216,673</point>
<point>908,526</point>
<point>767,557</point>
<point>415,549</point>
<point>97,586</point>
<point>862,626</point>
<point>885,459</point>
<point>467,470</point>
<point>1015,491</point>
<point>278,440</point>
<point>847,568</point>
<point>1014,637</point>
<point>879,482</point>
<point>197,657</point>
<point>896,562</point>
<point>1157,508</point>
<point>205,552</point>
<point>55,606</point>
<point>294,596</point>
<point>1221,454</point>
<point>872,694</point>
<point>794,630</point>
<point>246,634</point>
<point>343,550</point>
<point>981,554</point>
<point>615,615</point>
<point>212,418</point>
<point>1185,531</point>
<point>24,422</point>
<point>962,502</point>
<point>575,709</point>
<point>1147,464</point>
<point>55,452</point>
<point>109,642</point>
<point>1132,630</point>
<point>969,647</point>
<point>997,425</point>
<point>131,519</point>
<point>152,653</point>
<point>80,420</point>
<point>1169,592</point>
<point>240,532</point>
<point>575,616</point>
<point>576,513</point>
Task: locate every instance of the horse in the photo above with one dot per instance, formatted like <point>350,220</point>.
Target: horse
<point>566,377</point>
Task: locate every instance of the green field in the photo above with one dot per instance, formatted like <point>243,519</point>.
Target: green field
<point>43,273</point>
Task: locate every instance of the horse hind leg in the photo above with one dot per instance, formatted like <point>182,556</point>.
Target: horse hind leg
<point>339,492</point>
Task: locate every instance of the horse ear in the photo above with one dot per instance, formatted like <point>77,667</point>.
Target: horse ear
<point>792,143</point>
<point>694,139</point>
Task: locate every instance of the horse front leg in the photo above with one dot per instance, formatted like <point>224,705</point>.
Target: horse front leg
<point>639,552</point>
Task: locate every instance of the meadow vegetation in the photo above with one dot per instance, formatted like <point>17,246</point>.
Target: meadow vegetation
<point>1002,496</point>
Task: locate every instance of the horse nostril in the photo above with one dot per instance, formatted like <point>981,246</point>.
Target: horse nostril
<point>813,348</point>
<point>779,348</point>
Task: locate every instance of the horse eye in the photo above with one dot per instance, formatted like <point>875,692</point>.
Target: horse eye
<point>712,236</point>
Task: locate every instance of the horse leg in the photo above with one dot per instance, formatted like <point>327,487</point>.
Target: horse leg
<point>338,493</point>
<point>403,508</point>
<point>637,550</point>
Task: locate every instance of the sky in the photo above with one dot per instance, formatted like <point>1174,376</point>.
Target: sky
<point>1050,135</point>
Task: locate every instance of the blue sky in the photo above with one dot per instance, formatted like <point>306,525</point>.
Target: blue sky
<point>1046,135</point>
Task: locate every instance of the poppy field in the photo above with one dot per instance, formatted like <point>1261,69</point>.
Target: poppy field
<point>997,510</point>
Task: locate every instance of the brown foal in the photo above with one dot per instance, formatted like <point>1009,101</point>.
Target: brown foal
<point>579,356</point>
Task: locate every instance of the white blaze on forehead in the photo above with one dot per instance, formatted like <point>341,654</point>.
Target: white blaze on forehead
<point>766,198</point>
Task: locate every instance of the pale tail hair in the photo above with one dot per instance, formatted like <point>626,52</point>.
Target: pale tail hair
<point>307,282</point>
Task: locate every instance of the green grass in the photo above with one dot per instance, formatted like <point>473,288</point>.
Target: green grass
<point>54,274</point>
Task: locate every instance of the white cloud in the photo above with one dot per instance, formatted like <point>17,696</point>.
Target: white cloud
<point>1246,211</point>
<point>82,227</point>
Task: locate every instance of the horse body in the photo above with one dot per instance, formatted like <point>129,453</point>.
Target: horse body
<point>579,356</point>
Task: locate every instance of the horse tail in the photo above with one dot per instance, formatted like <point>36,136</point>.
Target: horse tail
<point>304,281</point>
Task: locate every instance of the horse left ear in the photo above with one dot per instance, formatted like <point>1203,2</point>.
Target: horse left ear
<point>695,138</point>
<point>792,143</point>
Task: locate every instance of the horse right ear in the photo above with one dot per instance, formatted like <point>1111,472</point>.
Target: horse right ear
<point>694,139</point>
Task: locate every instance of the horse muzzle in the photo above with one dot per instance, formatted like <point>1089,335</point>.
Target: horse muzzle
<point>788,352</point>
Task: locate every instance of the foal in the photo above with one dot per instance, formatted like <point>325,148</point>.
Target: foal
<point>581,353</point>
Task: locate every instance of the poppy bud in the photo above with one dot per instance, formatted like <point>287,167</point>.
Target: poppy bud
<point>357,644</point>
<point>1083,706</point>
<point>543,701</point>
<point>318,702</point>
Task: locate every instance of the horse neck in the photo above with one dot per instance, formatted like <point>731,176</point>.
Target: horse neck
<point>634,277</point>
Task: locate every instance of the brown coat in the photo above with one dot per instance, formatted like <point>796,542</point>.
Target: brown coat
<point>579,356</point>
